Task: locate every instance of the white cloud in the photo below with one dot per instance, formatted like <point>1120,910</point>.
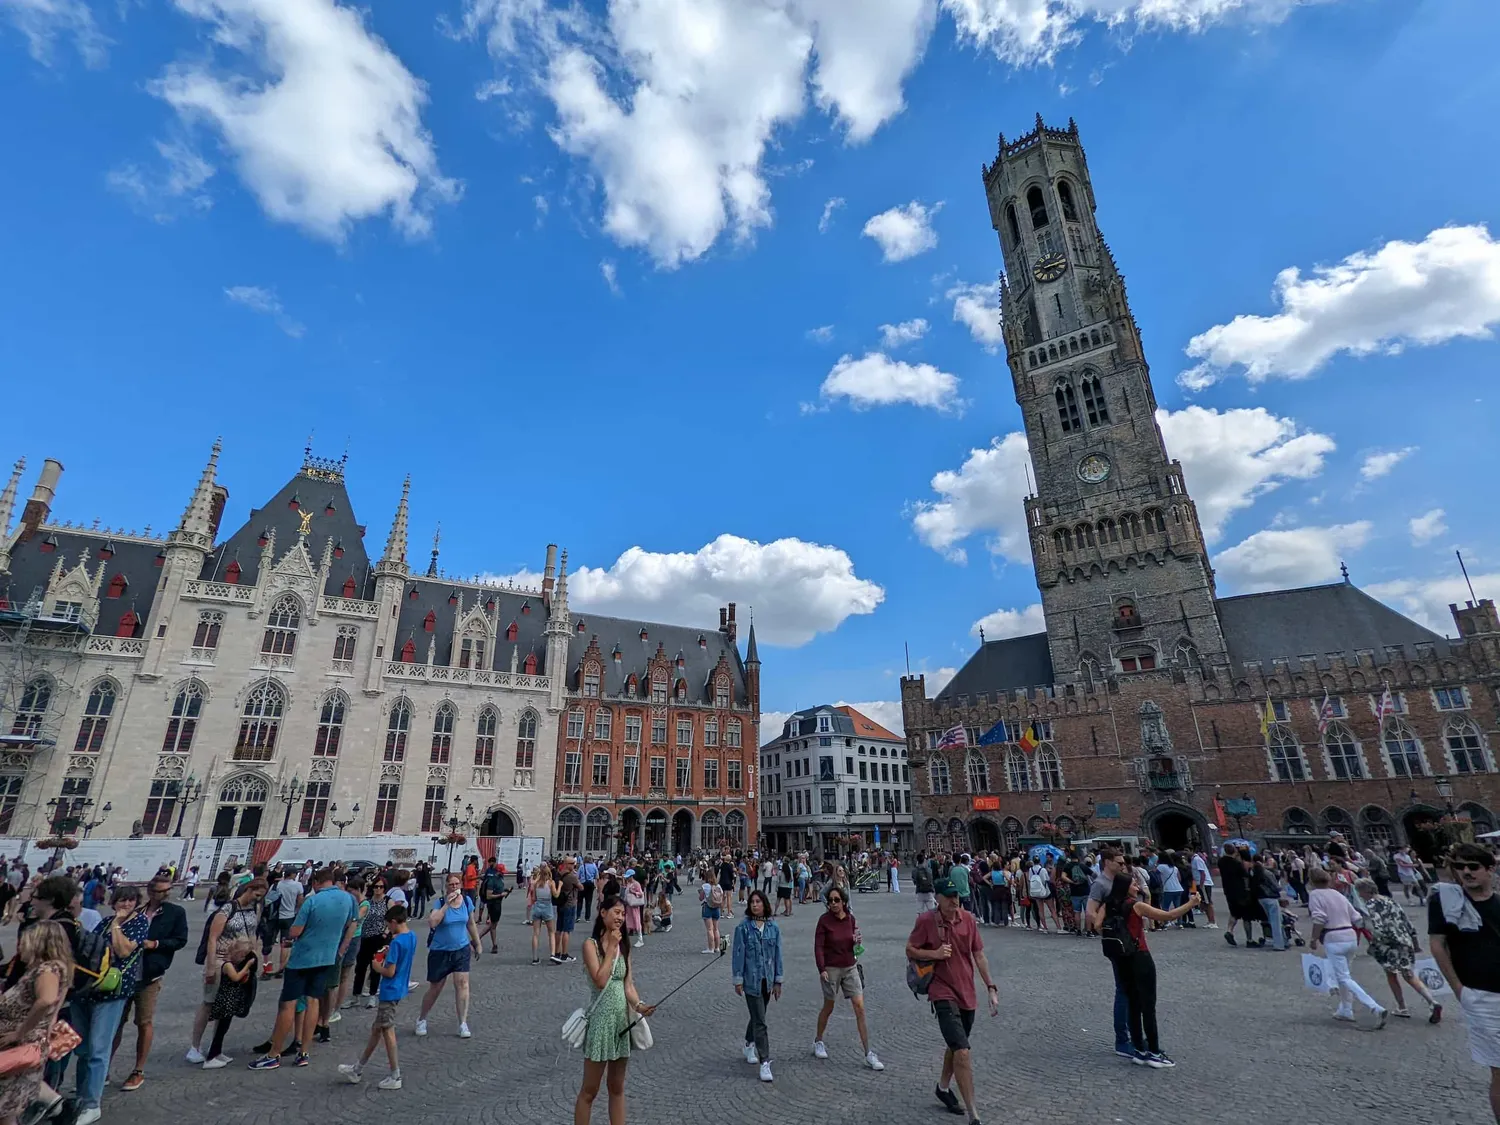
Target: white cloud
<point>266,302</point>
<point>937,680</point>
<point>1425,528</point>
<point>878,380</point>
<point>907,332</point>
<point>1303,556</point>
<point>1232,457</point>
<point>886,712</point>
<point>673,103</point>
<point>984,494</point>
<point>611,276</point>
<point>1404,293</point>
<point>977,308</point>
<point>1427,600</point>
<point>163,193</point>
<point>43,22</point>
<point>821,334</point>
<point>903,232</point>
<point>828,209</point>
<point>1010,623</point>
<point>1377,465</point>
<point>322,118</point>
<point>797,589</point>
<point>1029,32</point>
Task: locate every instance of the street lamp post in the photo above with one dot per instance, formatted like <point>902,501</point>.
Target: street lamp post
<point>1239,817</point>
<point>289,794</point>
<point>90,825</point>
<point>333,810</point>
<point>1083,818</point>
<point>454,823</point>
<point>191,791</point>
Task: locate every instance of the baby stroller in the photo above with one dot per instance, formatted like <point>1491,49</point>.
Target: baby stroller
<point>868,880</point>
<point>1289,928</point>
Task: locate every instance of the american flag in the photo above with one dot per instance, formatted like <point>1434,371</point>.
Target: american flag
<point>1325,715</point>
<point>1387,707</point>
<point>953,736</point>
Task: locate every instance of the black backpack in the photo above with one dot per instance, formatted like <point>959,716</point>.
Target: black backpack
<point>1114,930</point>
<point>230,908</point>
<point>92,958</point>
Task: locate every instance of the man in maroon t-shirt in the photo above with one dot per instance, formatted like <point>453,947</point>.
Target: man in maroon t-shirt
<point>949,936</point>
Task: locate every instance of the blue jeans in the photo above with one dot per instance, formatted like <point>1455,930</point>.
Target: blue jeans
<point>1122,1019</point>
<point>1272,907</point>
<point>1171,900</point>
<point>95,1024</point>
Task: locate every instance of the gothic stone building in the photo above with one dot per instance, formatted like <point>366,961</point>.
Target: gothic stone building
<point>1148,690</point>
<point>277,680</point>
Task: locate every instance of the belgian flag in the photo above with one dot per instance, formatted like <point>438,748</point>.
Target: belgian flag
<point>1029,740</point>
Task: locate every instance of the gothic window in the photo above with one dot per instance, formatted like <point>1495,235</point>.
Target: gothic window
<point>1038,208</point>
<point>349,588</point>
<point>1108,532</point>
<point>1048,768</point>
<point>1286,757</point>
<point>721,692</point>
<point>442,735</point>
<point>1094,337</point>
<point>343,644</point>
<point>734,826</point>
<point>116,587</point>
<point>1154,522</point>
<point>206,636</point>
<point>184,721</point>
<point>1015,227</point>
<point>434,803</point>
<point>397,727</point>
<point>1130,525</point>
<point>33,709</point>
<point>658,689</point>
<point>1187,655</point>
<point>1051,352</point>
<point>1072,340</point>
<point>386,798</point>
<point>330,727</point>
<point>1067,408</point>
<point>1125,615</point>
<point>1065,195</point>
<point>1062,538</point>
<point>484,738</point>
<point>659,731</point>
<point>160,804</point>
<point>1084,533</point>
<point>1465,751</point>
<point>281,627</point>
<point>95,718</point>
<point>684,731</point>
<point>711,829</point>
<point>1018,771</point>
<point>526,740</point>
<point>1088,664</point>
<point>596,838</point>
<point>1093,402</point>
<point>471,649</point>
<point>1403,751</point>
<point>979,773</point>
<point>591,681</point>
<point>260,722</point>
<point>937,775</point>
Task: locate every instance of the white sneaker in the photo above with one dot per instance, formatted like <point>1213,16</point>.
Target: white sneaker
<point>463,1031</point>
<point>765,1075</point>
<point>708,951</point>
<point>639,942</point>
<point>872,1060</point>
<point>194,1055</point>
<point>392,1082</point>
<point>218,1062</point>
<point>413,986</point>
<point>1213,925</point>
<point>421,1027</point>
<point>92,1114</point>
<point>351,1072</point>
<point>371,1001</point>
<point>334,1018</point>
<point>750,1055</point>
<point>820,1051</point>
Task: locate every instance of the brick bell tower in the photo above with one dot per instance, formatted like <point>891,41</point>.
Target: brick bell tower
<point>1125,578</point>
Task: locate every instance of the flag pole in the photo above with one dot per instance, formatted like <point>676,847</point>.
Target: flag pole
<point>1465,570</point>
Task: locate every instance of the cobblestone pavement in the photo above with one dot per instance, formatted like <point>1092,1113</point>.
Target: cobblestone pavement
<point>1247,1037</point>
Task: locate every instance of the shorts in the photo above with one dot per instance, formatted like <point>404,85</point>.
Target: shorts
<point>299,983</point>
<point>144,1003</point>
<point>493,908</point>
<point>385,1014</point>
<point>281,930</point>
<point>1482,1014</point>
<point>1206,893</point>
<point>711,912</point>
<point>442,962</point>
<point>784,893</point>
<point>566,918</point>
<point>543,912</point>
<point>926,900</point>
<point>954,1023</point>
<point>352,953</point>
<point>845,980</point>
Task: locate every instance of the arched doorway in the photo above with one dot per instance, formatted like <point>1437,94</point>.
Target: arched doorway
<point>984,835</point>
<point>1376,828</point>
<point>656,831</point>
<point>1175,827</point>
<point>682,832</point>
<point>242,802</point>
<point>1482,818</point>
<point>498,823</point>
<point>630,829</point>
<point>1423,825</point>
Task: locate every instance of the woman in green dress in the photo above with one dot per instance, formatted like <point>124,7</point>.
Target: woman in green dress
<point>612,999</point>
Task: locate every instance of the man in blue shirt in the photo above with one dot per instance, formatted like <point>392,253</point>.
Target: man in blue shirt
<point>587,874</point>
<point>323,928</point>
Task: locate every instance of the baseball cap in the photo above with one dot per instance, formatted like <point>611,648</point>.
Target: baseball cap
<point>946,887</point>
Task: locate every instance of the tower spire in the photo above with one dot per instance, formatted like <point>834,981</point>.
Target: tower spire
<point>8,497</point>
<point>437,538</point>
<point>195,529</point>
<point>394,557</point>
<point>561,598</point>
<point>752,654</point>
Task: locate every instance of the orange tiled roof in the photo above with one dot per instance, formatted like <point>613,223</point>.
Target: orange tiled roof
<point>868,727</point>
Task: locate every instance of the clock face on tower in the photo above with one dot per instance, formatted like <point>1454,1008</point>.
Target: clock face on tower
<point>1050,268</point>
<point>1094,469</point>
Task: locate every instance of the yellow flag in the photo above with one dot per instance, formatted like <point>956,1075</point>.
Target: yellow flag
<point>1268,716</point>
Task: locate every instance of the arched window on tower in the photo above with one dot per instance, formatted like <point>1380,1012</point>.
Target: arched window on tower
<point>1062,538</point>
<point>96,718</point>
<point>1018,771</point>
<point>281,627</point>
<point>1048,768</point>
<point>260,723</point>
<point>1093,402</point>
<point>1067,408</point>
<point>1038,208</point>
<point>979,773</point>
<point>1065,195</point>
<point>1286,756</point>
<point>937,775</point>
<point>1015,227</point>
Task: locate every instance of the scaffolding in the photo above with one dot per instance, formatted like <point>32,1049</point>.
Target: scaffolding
<point>41,658</point>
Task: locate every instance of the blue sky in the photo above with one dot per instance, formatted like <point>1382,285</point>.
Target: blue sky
<point>607,275</point>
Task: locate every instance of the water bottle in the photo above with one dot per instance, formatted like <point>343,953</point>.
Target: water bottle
<point>859,948</point>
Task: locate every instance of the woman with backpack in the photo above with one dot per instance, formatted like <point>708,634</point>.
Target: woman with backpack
<point>232,922</point>
<point>96,1011</point>
<point>712,896</point>
<point>1039,891</point>
<point>1123,935</point>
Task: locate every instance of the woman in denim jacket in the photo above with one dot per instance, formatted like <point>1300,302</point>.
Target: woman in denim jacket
<point>757,975</point>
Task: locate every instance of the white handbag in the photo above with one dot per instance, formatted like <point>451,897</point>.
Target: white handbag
<point>640,1035</point>
<point>575,1028</point>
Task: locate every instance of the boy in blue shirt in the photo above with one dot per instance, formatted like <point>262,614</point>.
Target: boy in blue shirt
<point>395,974</point>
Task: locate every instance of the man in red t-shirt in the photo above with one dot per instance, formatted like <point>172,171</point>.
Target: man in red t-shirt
<point>950,937</point>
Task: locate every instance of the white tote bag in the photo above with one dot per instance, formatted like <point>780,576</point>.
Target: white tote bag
<point>1317,974</point>
<point>1429,974</point>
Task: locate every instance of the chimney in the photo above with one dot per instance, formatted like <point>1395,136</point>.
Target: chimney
<point>723,620</point>
<point>733,631</point>
<point>39,507</point>
<point>549,573</point>
<point>216,510</point>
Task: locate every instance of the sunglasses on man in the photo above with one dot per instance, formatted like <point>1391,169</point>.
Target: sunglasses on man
<point>1467,866</point>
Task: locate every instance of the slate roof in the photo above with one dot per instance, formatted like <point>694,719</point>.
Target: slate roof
<point>846,723</point>
<point>700,650</point>
<point>136,559</point>
<point>1315,620</point>
<point>1012,662</point>
<point>432,596</point>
